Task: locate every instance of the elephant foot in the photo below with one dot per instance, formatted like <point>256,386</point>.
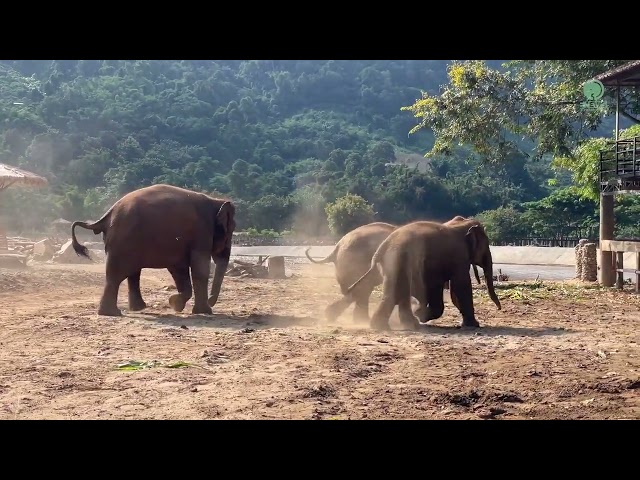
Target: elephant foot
<point>177,302</point>
<point>379,325</point>
<point>421,313</point>
<point>360,317</point>
<point>109,311</point>
<point>410,324</point>
<point>472,323</point>
<point>331,313</point>
<point>137,305</point>
<point>201,309</point>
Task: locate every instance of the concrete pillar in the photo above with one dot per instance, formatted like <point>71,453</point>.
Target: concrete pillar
<point>607,272</point>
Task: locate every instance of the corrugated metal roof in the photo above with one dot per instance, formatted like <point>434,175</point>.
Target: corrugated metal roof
<point>624,75</point>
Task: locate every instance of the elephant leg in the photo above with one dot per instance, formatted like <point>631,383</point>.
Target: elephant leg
<point>361,309</point>
<point>136,302</point>
<point>182,279</point>
<point>461,284</point>
<point>419,293</point>
<point>115,275</point>
<point>454,299</point>
<point>380,318</point>
<point>403,298</point>
<point>200,269</point>
<point>335,309</point>
<point>435,309</point>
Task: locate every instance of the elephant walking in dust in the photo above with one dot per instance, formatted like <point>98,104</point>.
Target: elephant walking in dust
<point>418,258</point>
<point>352,258</point>
<point>163,226</point>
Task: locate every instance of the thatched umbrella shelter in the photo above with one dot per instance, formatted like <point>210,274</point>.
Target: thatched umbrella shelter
<point>10,176</point>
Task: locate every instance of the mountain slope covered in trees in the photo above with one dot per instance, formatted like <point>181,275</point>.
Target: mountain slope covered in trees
<point>280,137</point>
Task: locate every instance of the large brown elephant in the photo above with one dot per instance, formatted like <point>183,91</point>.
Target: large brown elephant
<point>352,258</point>
<point>163,226</point>
<point>418,258</point>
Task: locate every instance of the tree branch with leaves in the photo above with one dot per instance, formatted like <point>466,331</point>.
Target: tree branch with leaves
<point>497,112</point>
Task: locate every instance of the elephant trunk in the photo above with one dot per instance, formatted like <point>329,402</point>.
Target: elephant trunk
<point>221,263</point>
<point>475,271</point>
<point>488,277</point>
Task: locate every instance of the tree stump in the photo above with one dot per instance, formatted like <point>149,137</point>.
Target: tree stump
<point>579,249</point>
<point>275,266</point>
<point>590,262</point>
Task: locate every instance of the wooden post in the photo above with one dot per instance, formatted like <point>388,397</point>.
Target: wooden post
<point>637,274</point>
<point>275,267</point>
<point>607,272</point>
<point>619,265</point>
<point>607,217</point>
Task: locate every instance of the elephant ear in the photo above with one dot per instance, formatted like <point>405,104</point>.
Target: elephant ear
<point>225,218</point>
<point>473,241</point>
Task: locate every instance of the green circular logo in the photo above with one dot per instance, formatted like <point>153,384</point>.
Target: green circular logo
<point>593,89</point>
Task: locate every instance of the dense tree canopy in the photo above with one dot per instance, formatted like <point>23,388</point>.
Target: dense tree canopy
<point>286,138</point>
<point>495,110</point>
<point>532,108</point>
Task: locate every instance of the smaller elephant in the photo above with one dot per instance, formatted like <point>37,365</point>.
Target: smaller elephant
<point>421,311</point>
<point>418,258</point>
<point>352,258</point>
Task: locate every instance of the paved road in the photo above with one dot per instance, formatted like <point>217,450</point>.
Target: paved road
<point>515,272</point>
<point>530,272</point>
<point>551,272</point>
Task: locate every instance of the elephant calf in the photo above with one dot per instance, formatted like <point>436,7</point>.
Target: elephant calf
<point>352,258</point>
<point>418,258</point>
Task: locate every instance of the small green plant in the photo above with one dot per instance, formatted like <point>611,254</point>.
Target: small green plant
<point>134,365</point>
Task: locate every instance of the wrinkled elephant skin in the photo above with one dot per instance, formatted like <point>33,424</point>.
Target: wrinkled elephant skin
<point>418,258</point>
<point>163,226</point>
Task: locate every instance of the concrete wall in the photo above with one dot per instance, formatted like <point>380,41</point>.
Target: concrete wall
<point>505,255</point>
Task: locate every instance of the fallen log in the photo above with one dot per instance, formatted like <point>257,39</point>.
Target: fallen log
<point>245,269</point>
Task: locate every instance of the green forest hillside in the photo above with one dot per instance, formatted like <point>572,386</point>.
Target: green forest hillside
<point>280,137</point>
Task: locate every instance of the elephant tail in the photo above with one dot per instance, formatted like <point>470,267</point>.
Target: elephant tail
<point>330,258</point>
<point>367,273</point>
<point>96,227</point>
<point>374,266</point>
<point>375,260</point>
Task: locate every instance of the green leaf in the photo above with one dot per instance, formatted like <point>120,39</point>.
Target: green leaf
<point>178,365</point>
<point>137,365</point>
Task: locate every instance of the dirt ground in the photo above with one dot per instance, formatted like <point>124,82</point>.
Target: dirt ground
<point>555,351</point>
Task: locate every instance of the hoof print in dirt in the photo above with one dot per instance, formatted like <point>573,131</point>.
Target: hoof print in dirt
<point>459,399</point>
<point>635,384</point>
<point>490,413</point>
<point>506,397</point>
<point>320,391</point>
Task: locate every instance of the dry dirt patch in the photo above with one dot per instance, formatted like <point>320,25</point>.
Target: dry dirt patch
<point>553,351</point>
